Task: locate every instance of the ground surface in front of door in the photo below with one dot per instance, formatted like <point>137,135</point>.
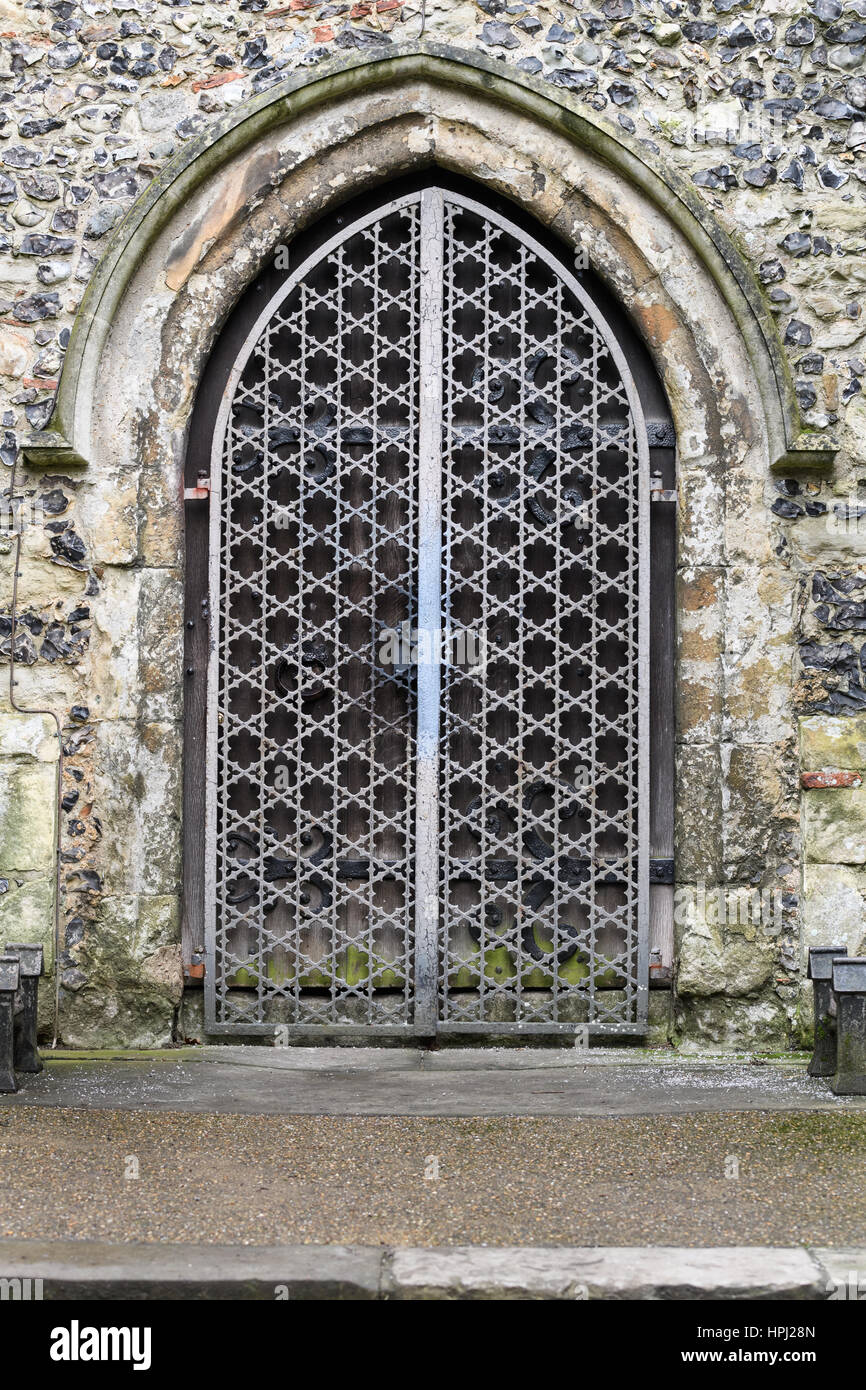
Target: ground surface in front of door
<point>608,1153</point>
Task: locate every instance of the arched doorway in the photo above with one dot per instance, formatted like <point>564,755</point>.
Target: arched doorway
<point>428,717</point>
<point>185,261</point>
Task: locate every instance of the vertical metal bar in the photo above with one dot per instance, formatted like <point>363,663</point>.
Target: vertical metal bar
<point>518,610</point>
<point>662,755</point>
<point>429,612</point>
<point>487,840</point>
<point>375,619</point>
<point>592,500</point>
<point>560,766</point>
<point>342,556</point>
<point>639,434</point>
<point>305,531</point>
<point>263,943</point>
<point>214,918</point>
<point>409,886</point>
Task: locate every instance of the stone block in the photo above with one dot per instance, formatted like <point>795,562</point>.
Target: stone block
<point>659,1018</point>
<point>828,741</point>
<point>157,924</point>
<point>698,830</point>
<point>749,536</point>
<point>741,1024</point>
<point>191,1027</point>
<point>15,352</point>
<point>160,626</point>
<point>51,685</point>
<point>700,605</point>
<point>164,969</point>
<point>834,908</point>
<point>614,1272</point>
<point>42,581</point>
<point>713,960</point>
<point>699,702</point>
<point>114,644</point>
<point>162,110</point>
<point>27,912</point>
<point>137,789</point>
<point>700,522</point>
<point>761,820</point>
<point>28,820</point>
<point>123,992</point>
<point>28,736</point>
<point>110,515</point>
<point>835,826</point>
<point>758,656</point>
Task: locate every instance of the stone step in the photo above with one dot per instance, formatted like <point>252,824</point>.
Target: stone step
<point>63,1270</point>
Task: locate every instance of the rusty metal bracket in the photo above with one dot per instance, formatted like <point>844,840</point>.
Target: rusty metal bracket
<point>826,777</point>
<point>195,970</point>
<point>659,493</point>
<point>201,491</point>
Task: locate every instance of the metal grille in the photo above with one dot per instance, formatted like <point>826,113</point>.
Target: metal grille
<point>429,431</point>
<point>539,788</point>
<point>315,745</point>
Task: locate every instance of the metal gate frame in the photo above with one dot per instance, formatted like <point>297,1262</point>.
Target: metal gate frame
<point>426,956</point>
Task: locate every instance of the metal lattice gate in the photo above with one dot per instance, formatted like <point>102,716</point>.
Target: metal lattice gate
<point>427,703</point>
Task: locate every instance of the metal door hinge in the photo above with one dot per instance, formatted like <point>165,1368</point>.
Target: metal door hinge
<point>661,871</point>
<point>660,434</point>
<point>195,969</point>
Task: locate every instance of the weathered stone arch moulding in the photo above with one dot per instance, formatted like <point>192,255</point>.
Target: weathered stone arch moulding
<point>208,222</point>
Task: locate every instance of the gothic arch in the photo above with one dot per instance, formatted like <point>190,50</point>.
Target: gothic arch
<point>275,162</point>
<point>427,372</point>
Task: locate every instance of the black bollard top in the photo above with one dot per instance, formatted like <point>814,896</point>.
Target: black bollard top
<point>8,974</point>
<point>849,975</point>
<point>30,957</point>
<point>821,961</point>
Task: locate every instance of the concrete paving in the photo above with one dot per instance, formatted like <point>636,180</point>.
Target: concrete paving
<point>661,1272</point>
<point>453,1081</point>
<point>390,1171</point>
<point>700,1178</point>
<point>99,1271</point>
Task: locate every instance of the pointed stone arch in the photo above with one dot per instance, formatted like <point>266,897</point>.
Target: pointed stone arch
<point>280,159</point>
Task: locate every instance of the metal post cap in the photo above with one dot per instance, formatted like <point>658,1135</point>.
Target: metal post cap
<point>849,975</point>
<point>30,956</point>
<point>821,961</point>
<point>8,973</point>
